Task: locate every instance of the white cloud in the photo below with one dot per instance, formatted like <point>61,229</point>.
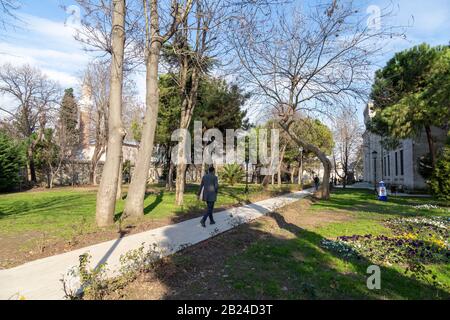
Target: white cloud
<point>48,45</point>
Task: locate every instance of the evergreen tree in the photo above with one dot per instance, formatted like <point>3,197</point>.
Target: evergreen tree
<point>12,160</point>
<point>410,94</point>
<point>440,180</point>
<point>69,134</point>
<point>220,105</point>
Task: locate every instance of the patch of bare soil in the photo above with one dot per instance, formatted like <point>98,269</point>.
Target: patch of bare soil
<point>200,271</point>
<point>312,219</point>
<point>21,248</point>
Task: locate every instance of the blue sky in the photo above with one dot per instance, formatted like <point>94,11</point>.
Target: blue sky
<point>45,41</point>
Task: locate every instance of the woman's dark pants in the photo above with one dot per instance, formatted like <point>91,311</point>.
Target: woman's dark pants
<point>209,212</point>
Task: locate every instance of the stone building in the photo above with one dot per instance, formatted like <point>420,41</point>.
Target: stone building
<point>399,166</point>
<point>78,171</point>
<point>86,110</point>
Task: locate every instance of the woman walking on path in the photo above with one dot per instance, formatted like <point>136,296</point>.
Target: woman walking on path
<point>210,187</point>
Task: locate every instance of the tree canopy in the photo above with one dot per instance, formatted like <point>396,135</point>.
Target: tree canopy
<point>219,106</point>
<point>411,93</point>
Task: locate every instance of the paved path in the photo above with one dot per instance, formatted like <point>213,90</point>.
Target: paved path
<point>40,279</point>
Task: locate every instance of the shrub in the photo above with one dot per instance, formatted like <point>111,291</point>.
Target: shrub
<point>440,180</point>
<point>232,173</point>
<point>12,159</point>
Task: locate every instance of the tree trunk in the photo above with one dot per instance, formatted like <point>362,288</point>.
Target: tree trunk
<point>94,175</point>
<point>188,105</point>
<point>325,187</point>
<point>431,146</point>
<point>280,164</point>
<point>134,206</point>
<point>292,174</point>
<point>169,180</point>
<point>98,152</point>
<point>31,165</point>
<point>107,192</point>
<point>300,172</point>
<point>51,176</point>
<point>180,183</point>
<point>169,168</point>
<point>181,168</point>
<point>200,174</point>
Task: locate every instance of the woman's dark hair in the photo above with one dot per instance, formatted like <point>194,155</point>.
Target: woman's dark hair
<point>211,169</point>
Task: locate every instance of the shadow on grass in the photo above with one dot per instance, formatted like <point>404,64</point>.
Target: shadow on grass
<point>360,200</point>
<point>155,203</point>
<point>45,205</point>
<point>251,263</point>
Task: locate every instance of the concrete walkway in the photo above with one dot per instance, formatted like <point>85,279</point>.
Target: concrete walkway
<point>41,279</point>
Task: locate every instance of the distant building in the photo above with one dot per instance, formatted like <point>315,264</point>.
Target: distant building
<point>400,166</point>
<point>86,109</point>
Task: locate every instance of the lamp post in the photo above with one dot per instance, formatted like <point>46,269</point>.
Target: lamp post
<point>300,168</point>
<point>374,157</point>
<point>246,176</point>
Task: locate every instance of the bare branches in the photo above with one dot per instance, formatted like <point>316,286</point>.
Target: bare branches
<point>35,96</point>
<point>7,14</point>
<point>96,30</point>
<point>313,59</point>
<point>348,140</point>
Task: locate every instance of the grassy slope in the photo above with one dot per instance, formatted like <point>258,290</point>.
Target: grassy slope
<point>299,268</point>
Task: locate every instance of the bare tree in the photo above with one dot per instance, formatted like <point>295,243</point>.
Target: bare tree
<point>95,100</point>
<point>107,192</point>
<point>134,206</point>
<point>35,97</point>
<point>99,19</point>
<point>192,60</point>
<point>96,91</point>
<point>348,139</point>
<point>199,44</point>
<point>310,62</point>
<point>7,12</point>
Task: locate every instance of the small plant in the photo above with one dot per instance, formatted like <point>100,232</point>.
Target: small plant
<point>214,233</point>
<point>139,261</point>
<point>340,247</point>
<point>17,296</point>
<point>41,242</point>
<point>92,282</point>
<point>309,290</point>
<point>82,282</point>
<point>232,173</point>
<point>78,230</point>
<point>184,246</point>
<point>235,221</point>
<point>425,206</point>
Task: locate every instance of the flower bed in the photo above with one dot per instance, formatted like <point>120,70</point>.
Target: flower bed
<point>416,242</point>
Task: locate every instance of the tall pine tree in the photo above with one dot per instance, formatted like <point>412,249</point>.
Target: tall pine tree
<point>69,134</point>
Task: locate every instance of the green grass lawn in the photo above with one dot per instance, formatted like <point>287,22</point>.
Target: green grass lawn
<point>300,268</point>
<point>60,212</point>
